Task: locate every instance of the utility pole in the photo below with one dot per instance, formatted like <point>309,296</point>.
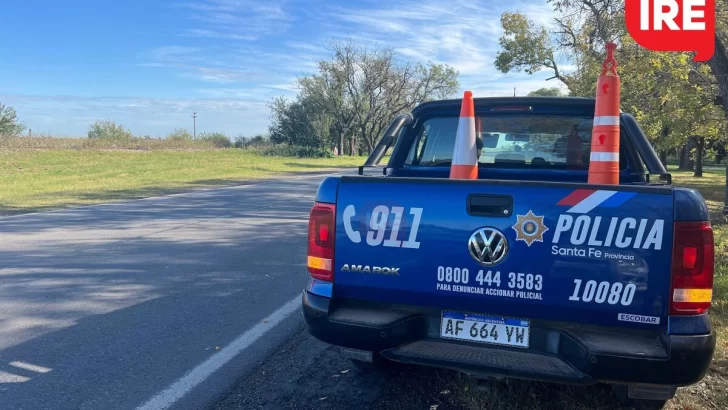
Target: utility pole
<point>514,91</point>
<point>194,125</point>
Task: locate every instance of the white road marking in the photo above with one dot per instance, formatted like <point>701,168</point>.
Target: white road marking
<point>30,367</point>
<point>6,377</point>
<point>184,385</point>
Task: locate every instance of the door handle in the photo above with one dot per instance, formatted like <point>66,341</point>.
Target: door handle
<point>496,206</point>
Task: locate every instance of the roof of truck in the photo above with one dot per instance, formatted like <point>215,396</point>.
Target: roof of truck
<point>579,103</point>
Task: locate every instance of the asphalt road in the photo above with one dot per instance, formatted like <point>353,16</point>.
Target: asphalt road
<point>191,301</point>
<point>107,307</point>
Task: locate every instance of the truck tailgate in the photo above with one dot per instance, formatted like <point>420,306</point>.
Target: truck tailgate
<point>553,251</point>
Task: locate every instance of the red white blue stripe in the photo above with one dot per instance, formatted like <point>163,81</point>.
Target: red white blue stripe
<point>583,201</point>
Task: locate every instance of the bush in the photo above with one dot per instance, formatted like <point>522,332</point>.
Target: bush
<point>296,151</point>
<point>145,144</point>
<point>218,139</point>
<point>9,124</point>
<point>108,130</point>
<point>180,134</point>
<point>257,141</point>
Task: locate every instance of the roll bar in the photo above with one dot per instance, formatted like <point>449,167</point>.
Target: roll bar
<point>389,136</point>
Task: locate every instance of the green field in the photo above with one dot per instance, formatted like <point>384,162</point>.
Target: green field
<point>40,179</point>
<point>713,394</point>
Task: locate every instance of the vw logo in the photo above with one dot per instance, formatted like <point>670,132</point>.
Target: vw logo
<point>488,246</point>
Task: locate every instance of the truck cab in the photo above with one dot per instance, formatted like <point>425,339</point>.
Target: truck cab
<point>527,272</point>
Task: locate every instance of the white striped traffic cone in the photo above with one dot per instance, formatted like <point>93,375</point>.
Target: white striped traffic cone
<point>465,157</point>
<point>604,158</point>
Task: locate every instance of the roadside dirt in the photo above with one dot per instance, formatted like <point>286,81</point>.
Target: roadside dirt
<point>307,374</point>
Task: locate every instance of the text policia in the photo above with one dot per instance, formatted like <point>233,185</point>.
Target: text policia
<point>620,233</point>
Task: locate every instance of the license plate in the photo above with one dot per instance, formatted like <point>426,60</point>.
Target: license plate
<point>484,329</point>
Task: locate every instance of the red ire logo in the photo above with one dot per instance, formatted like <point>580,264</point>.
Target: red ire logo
<point>673,25</point>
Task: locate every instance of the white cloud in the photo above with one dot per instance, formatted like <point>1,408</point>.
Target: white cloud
<point>541,13</point>
<point>250,64</point>
<point>289,87</point>
<point>220,75</point>
<point>241,53</point>
<point>504,87</point>
<point>169,53</point>
<point>310,47</point>
<point>216,34</point>
<point>461,33</point>
<point>236,19</point>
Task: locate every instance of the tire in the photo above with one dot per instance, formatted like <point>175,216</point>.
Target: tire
<point>640,404</point>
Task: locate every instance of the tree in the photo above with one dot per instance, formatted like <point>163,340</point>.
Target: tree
<point>9,124</point>
<point>719,68</point>
<point>526,47</point>
<point>108,130</point>
<point>667,92</point>
<point>546,92</point>
<point>354,96</point>
<point>258,140</point>
<point>295,123</point>
<point>326,92</point>
<point>380,88</point>
<point>719,62</point>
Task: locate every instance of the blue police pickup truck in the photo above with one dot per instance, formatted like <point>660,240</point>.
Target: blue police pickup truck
<point>527,272</point>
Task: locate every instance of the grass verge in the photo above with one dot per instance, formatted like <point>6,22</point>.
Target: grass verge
<point>36,180</point>
<point>712,392</point>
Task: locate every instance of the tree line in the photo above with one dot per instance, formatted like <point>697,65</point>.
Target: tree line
<point>350,100</point>
<point>681,105</point>
<point>110,130</point>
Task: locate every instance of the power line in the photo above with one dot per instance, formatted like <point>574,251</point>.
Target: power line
<point>194,125</point>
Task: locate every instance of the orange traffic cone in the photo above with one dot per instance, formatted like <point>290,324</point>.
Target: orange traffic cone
<point>604,159</point>
<point>465,157</point>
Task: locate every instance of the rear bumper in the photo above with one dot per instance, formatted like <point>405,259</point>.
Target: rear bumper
<point>556,354</point>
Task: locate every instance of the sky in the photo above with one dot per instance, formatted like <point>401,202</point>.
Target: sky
<point>149,64</point>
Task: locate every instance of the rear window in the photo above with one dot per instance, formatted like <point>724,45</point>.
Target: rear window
<point>513,141</point>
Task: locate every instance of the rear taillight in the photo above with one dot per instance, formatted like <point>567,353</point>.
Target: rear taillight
<point>321,229</point>
<point>692,268</point>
